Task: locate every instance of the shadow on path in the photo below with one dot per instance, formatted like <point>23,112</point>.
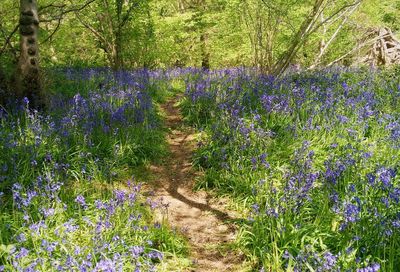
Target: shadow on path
<point>204,220</point>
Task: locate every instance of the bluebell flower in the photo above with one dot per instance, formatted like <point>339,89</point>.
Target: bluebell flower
<point>372,268</point>
<point>136,251</point>
<point>23,252</point>
<point>80,199</point>
<point>105,265</point>
<point>25,100</point>
<point>153,254</point>
<point>329,261</point>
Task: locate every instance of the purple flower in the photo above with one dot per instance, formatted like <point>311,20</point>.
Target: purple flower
<point>105,266</point>
<point>22,253</point>
<point>329,261</point>
<point>25,100</point>
<point>153,254</point>
<point>385,176</point>
<point>35,227</point>
<point>371,178</point>
<point>286,255</point>
<point>372,268</point>
<point>256,208</point>
<point>48,212</point>
<point>70,226</point>
<point>21,238</point>
<point>342,119</point>
<point>136,251</point>
<point>80,199</point>
<point>396,224</point>
<point>120,196</point>
<point>254,162</point>
<point>351,213</point>
<point>99,204</point>
<point>48,246</point>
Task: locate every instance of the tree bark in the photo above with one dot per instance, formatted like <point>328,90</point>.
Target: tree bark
<point>205,55</point>
<point>118,60</point>
<point>28,72</point>
<point>202,26</point>
<point>3,88</point>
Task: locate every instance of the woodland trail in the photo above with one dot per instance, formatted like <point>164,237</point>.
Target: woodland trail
<point>201,218</point>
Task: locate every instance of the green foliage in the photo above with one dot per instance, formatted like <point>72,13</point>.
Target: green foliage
<point>168,33</point>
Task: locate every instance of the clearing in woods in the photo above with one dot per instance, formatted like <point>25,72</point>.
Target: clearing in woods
<point>201,218</point>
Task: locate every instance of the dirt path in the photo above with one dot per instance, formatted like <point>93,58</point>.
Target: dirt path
<point>201,218</point>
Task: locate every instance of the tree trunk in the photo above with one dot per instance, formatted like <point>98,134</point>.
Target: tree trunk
<point>28,76</point>
<point>205,55</point>
<point>117,59</point>
<point>117,30</point>
<point>3,88</point>
<point>299,39</point>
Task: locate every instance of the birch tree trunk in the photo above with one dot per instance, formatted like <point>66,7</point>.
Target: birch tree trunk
<point>28,73</point>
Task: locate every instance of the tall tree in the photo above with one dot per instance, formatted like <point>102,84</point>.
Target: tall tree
<point>110,23</point>
<point>201,26</point>
<point>28,73</point>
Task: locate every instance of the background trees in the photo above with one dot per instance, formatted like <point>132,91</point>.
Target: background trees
<point>272,35</point>
<point>278,30</point>
<point>118,26</point>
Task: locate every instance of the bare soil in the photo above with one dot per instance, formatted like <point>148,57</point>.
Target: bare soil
<point>204,220</point>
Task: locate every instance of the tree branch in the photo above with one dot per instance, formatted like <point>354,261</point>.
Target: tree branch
<point>52,5</point>
<point>323,51</point>
<point>8,39</point>
<point>54,31</point>
<point>127,15</point>
<point>92,29</point>
<point>355,3</point>
<point>63,12</point>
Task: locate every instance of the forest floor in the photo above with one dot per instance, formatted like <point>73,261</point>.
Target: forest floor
<point>205,221</point>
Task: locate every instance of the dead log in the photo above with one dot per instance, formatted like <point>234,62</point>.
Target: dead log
<point>384,51</point>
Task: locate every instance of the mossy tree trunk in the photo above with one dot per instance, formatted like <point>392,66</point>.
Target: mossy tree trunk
<point>28,73</point>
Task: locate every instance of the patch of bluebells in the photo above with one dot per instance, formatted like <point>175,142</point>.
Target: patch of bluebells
<point>124,244</point>
<point>51,218</point>
<point>308,257</point>
<point>85,127</point>
<point>325,146</point>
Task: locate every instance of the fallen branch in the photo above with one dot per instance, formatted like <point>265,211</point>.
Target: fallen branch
<point>372,41</point>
